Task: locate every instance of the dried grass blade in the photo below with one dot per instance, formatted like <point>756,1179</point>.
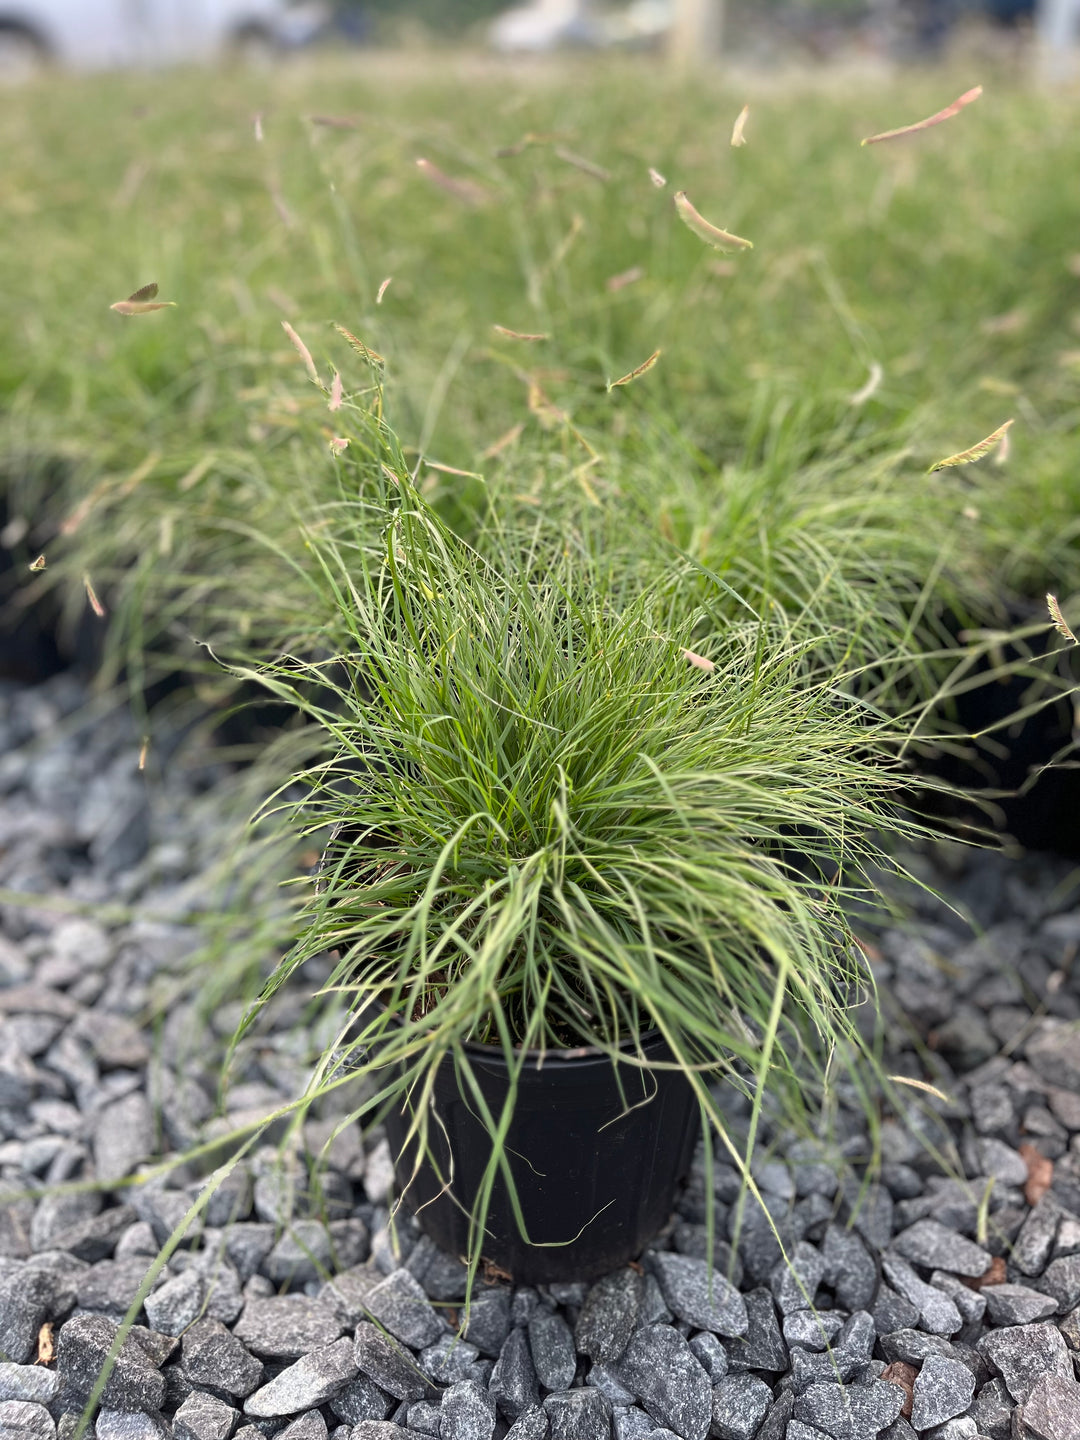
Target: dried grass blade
<point>142,302</point>
<point>587,167</point>
<point>946,114</point>
<point>335,122</point>
<point>467,191</point>
<point>195,474</point>
<point>518,334</point>
<point>860,397</point>
<point>920,1085</point>
<point>452,470</point>
<point>383,289</point>
<point>974,452</point>
<point>503,442</point>
<point>614,283</point>
<point>545,411</point>
<point>364,351</point>
<point>642,369</point>
<point>738,133</point>
<point>1058,620</point>
<point>304,353</point>
<point>711,234</point>
<point>91,595</point>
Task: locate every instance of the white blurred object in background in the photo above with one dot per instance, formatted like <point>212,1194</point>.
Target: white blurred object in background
<point>690,28</point>
<point>98,34</point>
<point>1058,26</point>
<point>543,25</point>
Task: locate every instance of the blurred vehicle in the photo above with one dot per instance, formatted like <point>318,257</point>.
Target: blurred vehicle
<point>99,34</point>
<point>543,25</point>
<point>820,27</point>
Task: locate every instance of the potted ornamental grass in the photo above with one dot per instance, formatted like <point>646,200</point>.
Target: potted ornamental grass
<point>581,869</point>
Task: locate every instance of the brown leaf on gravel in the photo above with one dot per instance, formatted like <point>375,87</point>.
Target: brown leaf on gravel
<point>45,1348</point>
<point>898,1373</point>
<point>995,1275</point>
<point>1040,1173</point>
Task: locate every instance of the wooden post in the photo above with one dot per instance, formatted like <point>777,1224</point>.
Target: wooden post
<point>696,32</point>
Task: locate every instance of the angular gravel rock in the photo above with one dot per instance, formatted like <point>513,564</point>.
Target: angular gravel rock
<point>313,1380</point>
<point>284,1327</point>
<point>578,1415</point>
<point>943,1388</point>
<point>1052,1410</point>
<point>552,1347</point>
<point>937,1313</point>
<point>931,1245</point>
<point>27,1300</point>
<point>177,1304</point>
<point>608,1316</point>
<point>213,1356</point>
<point>123,1136</point>
<point>849,1269</point>
<point>1032,1246</point>
<point>84,1343</point>
<point>849,1412</point>
<point>513,1381</point>
<point>28,1382</point>
<point>204,1417</point>
<point>382,1430</point>
<point>762,1347</point>
<point>1017,1304</point>
<point>23,1420</point>
<point>712,1355</point>
<point>698,1294</point>
<point>131,1425</point>
<point>489,1321</point>
<point>1024,1354</point>
<point>449,1360</point>
<point>662,1371</point>
<point>400,1306</point>
<point>360,1400</point>
<point>739,1405</point>
<point>467,1412</point>
<point>1054,1052</point>
<point>311,1426</point>
<point>1061,1279</point>
<point>385,1362</point>
<point>531,1424</point>
<point>811,1330</point>
<point>794,1283</point>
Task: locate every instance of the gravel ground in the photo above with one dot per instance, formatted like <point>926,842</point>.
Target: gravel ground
<point>929,1318</point>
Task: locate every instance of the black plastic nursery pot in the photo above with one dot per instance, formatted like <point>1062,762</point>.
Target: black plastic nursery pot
<point>595,1166</point>
<point>1040,807</point>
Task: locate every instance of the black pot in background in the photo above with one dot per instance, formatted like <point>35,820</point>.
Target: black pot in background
<point>1046,816</point>
<point>589,1170</point>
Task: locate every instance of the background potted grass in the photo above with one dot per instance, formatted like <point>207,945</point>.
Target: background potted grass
<point>563,840</point>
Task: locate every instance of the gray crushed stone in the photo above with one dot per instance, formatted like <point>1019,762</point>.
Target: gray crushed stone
<point>307,1311</point>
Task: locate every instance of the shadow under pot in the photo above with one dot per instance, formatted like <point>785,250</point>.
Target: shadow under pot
<point>596,1158</point>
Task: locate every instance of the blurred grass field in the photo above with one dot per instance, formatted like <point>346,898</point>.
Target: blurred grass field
<point>942,269</point>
